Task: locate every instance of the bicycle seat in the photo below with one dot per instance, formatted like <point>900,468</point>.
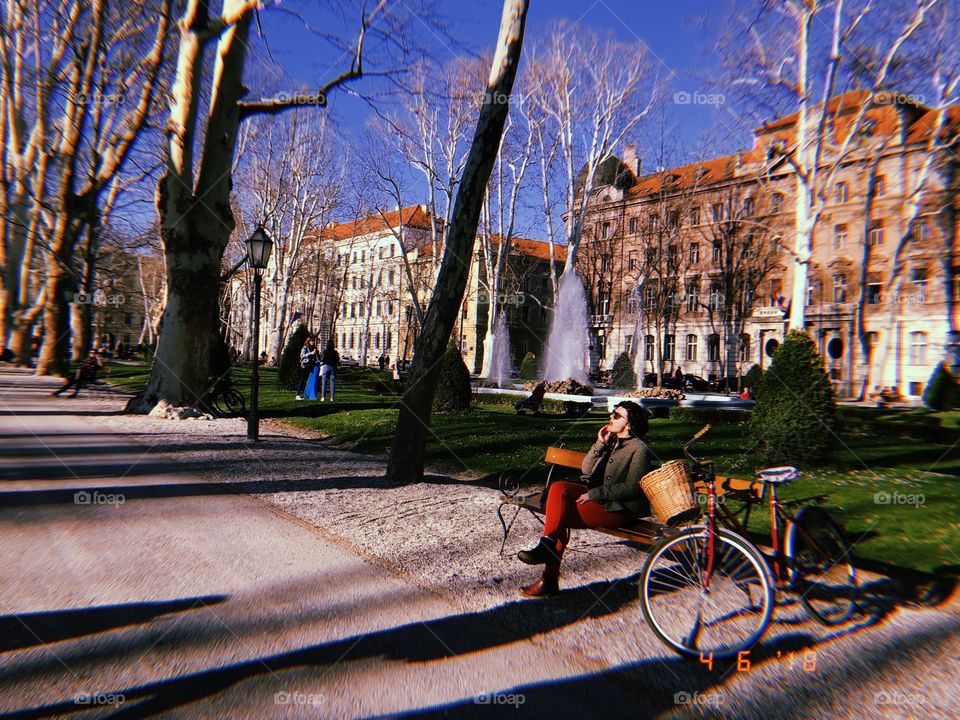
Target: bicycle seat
<point>778,475</point>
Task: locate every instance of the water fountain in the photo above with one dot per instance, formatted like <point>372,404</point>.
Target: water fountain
<point>500,365</point>
<point>569,340</point>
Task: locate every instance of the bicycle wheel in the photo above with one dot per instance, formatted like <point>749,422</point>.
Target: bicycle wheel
<point>821,566</point>
<point>230,403</point>
<point>691,616</point>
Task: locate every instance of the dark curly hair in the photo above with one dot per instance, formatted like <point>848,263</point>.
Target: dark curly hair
<point>638,419</point>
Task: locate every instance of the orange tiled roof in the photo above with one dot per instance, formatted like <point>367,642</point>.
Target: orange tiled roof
<point>414,216</point>
<point>525,246</point>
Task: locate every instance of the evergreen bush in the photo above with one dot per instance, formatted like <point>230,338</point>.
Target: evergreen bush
<point>623,374</point>
<point>941,390</point>
<point>453,387</point>
<point>528,367</point>
<point>289,371</point>
<point>795,419</point>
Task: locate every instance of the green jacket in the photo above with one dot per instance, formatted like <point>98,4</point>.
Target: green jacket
<point>619,490</point>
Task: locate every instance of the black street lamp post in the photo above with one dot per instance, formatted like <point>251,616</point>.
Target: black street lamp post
<point>259,246</point>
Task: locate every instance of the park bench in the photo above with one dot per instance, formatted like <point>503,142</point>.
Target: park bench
<point>645,531</point>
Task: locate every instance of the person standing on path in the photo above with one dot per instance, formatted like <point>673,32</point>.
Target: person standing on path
<point>308,358</point>
<point>329,363</point>
<point>86,374</point>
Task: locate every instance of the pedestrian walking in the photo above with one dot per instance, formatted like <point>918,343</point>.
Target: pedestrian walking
<point>308,358</point>
<point>86,374</point>
<point>329,363</point>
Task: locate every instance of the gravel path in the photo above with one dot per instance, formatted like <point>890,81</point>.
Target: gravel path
<point>443,535</point>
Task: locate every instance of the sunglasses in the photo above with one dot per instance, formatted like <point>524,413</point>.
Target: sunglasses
<point>615,414</point>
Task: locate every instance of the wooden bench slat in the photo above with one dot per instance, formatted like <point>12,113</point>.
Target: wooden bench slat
<point>564,458</point>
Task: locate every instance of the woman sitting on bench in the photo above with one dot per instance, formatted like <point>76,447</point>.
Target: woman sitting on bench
<point>533,401</point>
<point>609,496</point>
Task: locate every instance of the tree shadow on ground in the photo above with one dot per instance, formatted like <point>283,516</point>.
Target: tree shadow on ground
<point>24,630</point>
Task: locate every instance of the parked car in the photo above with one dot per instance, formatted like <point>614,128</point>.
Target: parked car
<point>649,380</point>
<point>727,384</point>
<point>696,383</point>
<point>348,361</point>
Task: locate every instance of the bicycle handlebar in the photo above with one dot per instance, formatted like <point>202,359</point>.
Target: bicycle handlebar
<point>686,448</point>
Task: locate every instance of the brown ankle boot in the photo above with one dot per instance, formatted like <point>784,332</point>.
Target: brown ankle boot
<point>544,587</point>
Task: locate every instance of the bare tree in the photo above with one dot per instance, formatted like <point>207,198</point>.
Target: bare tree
<point>409,441</point>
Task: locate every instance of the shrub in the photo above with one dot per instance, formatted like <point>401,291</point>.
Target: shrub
<point>795,417</point>
<point>941,390</point>
<point>289,370</point>
<point>752,379</point>
<point>528,367</point>
<point>623,374</point>
<point>453,387</point>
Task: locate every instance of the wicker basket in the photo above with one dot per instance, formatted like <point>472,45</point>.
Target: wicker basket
<point>671,493</point>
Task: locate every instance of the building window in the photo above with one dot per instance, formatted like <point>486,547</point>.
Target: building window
<point>744,348</point>
<point>654,222</point>
<point>691,348</point>
<point>716,298</point>
<point>748,207</point>
<point>918,348</point>
<point>390,277</point>
<point>876,234</point>
<point>363,256</point>
<point>839,237</point>
<point>376,311</point>
<point>351,340</point>
<point>629,345</point>
<point>391,250</point>
<point>632,261</point>
<point>919,279</point>
<point>649,297</point>
<point>378,341</point>
<point>880,186</point>
<point>717,252</point>
<point>694,216</point>
<point>717,210</point>
<point>872,339</point>
<point>633,226</point>
<point>675,219</point>
<point>776,203</point>
<point>354,279</point>
<point>839,288</point>
<point>693,297</point>
<point>919,230</point>
<point>360,309</point>
<point>713,348</point>
<point>694,253</point>
<point>380,252</point>
<point>873,293</point>
<point>841,190</point>
<point>648,348</point>
<point>669,347</point>
<point>672,256</point>
<point>605,233</point>
<point>353,310</point>
<point>389,343</point>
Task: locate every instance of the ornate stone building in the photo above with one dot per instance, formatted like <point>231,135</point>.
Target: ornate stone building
<point>692,266</point>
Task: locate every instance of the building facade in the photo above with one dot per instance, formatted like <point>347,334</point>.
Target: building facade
<point>693,267</point>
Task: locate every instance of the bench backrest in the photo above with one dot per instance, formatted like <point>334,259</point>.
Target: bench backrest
<point>722,485</point>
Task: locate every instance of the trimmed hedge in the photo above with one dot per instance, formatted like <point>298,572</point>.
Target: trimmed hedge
<point>795,419</point>
<point>941,390</point>
<point>453,388</point>
<point>289,370</point>
<point>528,367</point>
<point>623,375</point>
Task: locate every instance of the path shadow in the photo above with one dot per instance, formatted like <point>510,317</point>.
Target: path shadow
<point>28,629</point>
<point>417,642</point>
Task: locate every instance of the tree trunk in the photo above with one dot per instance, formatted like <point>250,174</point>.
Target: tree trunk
<point>409,440</point>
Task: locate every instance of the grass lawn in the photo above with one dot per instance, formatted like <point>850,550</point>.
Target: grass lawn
<point>894,481</point>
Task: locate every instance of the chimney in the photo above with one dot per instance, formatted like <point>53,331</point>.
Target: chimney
<point>630,158</point>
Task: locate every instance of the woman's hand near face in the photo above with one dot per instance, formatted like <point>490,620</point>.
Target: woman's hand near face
<point>604,434</point>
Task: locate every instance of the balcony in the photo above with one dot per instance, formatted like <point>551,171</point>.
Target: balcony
<point>601,320</point>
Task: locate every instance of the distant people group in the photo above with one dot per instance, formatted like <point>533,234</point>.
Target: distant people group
<point>314,367</point>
